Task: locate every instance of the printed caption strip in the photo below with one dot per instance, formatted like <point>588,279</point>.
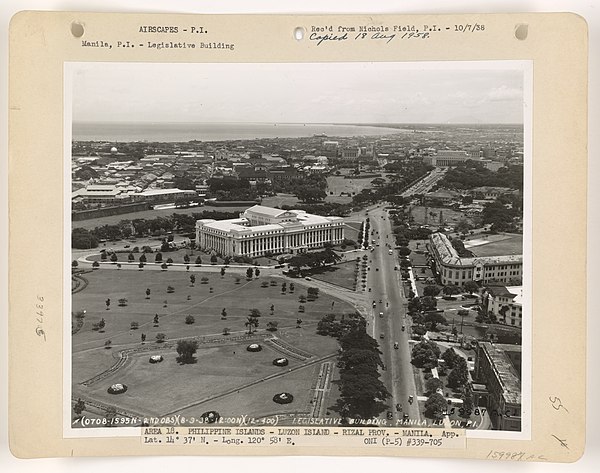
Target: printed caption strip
<point>305,437</point>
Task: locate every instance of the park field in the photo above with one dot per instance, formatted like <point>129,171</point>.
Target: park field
<point>225,376</point>
<point>495,245</point>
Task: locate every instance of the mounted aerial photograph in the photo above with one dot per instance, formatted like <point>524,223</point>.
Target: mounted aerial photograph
<point>318,244</point>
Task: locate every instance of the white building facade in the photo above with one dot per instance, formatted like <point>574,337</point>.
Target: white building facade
<point>455,270</point>
<point>264,230</point>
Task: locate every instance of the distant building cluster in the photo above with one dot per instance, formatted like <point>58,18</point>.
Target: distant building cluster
<point>455,270</point>
<point>263,230</point>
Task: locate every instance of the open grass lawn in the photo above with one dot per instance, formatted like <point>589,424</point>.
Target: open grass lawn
<point>257,400</point>
<point>337,185</point>
<point>341,274</point>
<point>168,386</point>
<point>509,244</point>
<point>432,217</point>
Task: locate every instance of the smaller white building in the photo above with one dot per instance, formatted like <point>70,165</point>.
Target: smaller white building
<point>506,303</point>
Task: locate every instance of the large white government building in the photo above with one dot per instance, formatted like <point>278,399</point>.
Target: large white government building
<point>455,270</point>
<point>261,230</point>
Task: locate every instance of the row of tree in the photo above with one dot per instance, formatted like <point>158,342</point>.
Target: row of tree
<point>362,393</point>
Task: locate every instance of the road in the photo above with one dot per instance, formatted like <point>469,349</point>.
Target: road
<point>386,285</point>
<point>424,185</point>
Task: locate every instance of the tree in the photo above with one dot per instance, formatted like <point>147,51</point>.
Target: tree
<point>450,357</point>
<point>310,194</point>
<point>170,289</point>
<point>433,318</point>
<point>130,257</point>
<point>272,326</point>
<point>134,325</point>
<point>298,323</point>
<point>213,259</point>
<point>123,302</point>
<point>404,251</point>
<point>362,394</point>
<point>74,264</point>
<point>451,290</point>
<point>435,406</point>
<point>186,349</point>
<point>95,265</point>
<point>148,291</point>
<point>425,354</point>
<point>249,273</point>
<point>292,287</point>
<point>107,344</point>
<point>192,279</point>
<point>471,287</point>
<point>433,384</point>
<point>160,337</point>
<point>255,313</point>
<point>142,258</point>
<point>222,272</point>
<point>156,319</point>
<point>431,291</point>
<point>224,313</point>
<point>107,302</point>
<point>428,303</point>
<point>103,255</point>
<point>198,261</point>
<point>189,319</point>
<point>256,272</point>
<point>164,266</point>
<point>251,322</point>
<point>186,258</point>
<point>158,257</point>
<point>170,261</point>
<point>143,337</point>
<point>226,331</point>
<point>459,376</point>
<point>79,407</point>
<point>204,280</point>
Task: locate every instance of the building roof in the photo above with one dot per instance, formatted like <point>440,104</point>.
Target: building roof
<point>243,223</point>
<point>269,211</point>
<point>151,192</point>
<point>505,372</point>
<point>448,254</point>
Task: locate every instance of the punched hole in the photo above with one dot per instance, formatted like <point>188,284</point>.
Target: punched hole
<point>77,29</point>
<point>521,32</point>
<point>299,33</point>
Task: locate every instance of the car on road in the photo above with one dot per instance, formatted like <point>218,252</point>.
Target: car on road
<point>405,417</point>
<point>381,335</point>
<point>126,246</point>
<point>380,314</point>
<point>376,269</point>
<point>307,278</point>
<point>396,345</point>
<point>411,398</point>
<point>403,328</point>
<point>395,268</point>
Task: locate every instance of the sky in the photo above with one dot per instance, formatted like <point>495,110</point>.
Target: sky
<point>443,92</point>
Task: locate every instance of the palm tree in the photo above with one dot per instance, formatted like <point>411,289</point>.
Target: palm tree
<point>251,322</point>
<point>223,313</point>
<point>148,293</point>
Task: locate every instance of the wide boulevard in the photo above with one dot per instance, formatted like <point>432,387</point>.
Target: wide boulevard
<point>388,322</point>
